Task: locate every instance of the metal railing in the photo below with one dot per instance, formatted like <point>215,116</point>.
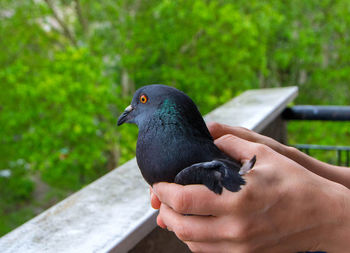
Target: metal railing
<point>317,112</point>
<point>342,152</point>
<point>321,113</point>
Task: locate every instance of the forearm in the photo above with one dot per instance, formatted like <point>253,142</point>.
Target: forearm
<point>334,173</point>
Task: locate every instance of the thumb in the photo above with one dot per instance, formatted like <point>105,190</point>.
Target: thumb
<point>237,148</point>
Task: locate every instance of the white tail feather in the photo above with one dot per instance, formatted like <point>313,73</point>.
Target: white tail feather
<point>247,166</point>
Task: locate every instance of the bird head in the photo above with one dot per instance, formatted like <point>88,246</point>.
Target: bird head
<point>149,99</point>
<point>160,100</point>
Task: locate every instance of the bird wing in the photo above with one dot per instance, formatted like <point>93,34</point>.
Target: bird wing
<point>214,174</point>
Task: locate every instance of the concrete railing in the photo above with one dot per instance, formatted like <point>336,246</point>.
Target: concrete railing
<point>113,214</point>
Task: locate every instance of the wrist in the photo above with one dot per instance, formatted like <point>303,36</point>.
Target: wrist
<point>343,231</point>
<point>336,234</point>
<point>304,160</point>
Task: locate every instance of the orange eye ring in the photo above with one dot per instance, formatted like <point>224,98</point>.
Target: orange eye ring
<point>143,99</point>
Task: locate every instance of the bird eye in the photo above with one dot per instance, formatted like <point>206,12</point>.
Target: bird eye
<point>143,99</point>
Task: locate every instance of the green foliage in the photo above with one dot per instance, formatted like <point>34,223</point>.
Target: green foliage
<point>70,104</point>
<point>68,69</point>
<point>218,43</point>
<point>320,133</point>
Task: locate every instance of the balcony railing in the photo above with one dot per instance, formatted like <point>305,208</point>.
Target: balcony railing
<point>113,214</point>
<point>321,113</point>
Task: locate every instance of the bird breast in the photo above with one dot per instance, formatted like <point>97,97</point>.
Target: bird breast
<point>163,151</point>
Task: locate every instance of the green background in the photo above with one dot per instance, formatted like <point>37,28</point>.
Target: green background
<point>69,68</point>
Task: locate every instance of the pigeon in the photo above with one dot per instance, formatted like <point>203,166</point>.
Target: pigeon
<point>174,144</point>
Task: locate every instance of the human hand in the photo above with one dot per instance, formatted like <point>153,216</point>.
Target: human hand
<point>282,208</point>
<point>217,130</point>
<point>332,172</point>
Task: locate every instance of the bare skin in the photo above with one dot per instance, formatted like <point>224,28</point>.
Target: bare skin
<point>287,205</point>
<point>337,174</point>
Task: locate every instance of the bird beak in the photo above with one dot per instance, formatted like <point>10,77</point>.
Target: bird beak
<point>124,117</point>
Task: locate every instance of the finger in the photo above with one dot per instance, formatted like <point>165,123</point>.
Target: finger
<point>221,247</point>
<point>217,130</point>
<point>155,203</point>
<point>192,199</point>
<point>236,147</point>
<point>190,228</point>
<point>160,222</point>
